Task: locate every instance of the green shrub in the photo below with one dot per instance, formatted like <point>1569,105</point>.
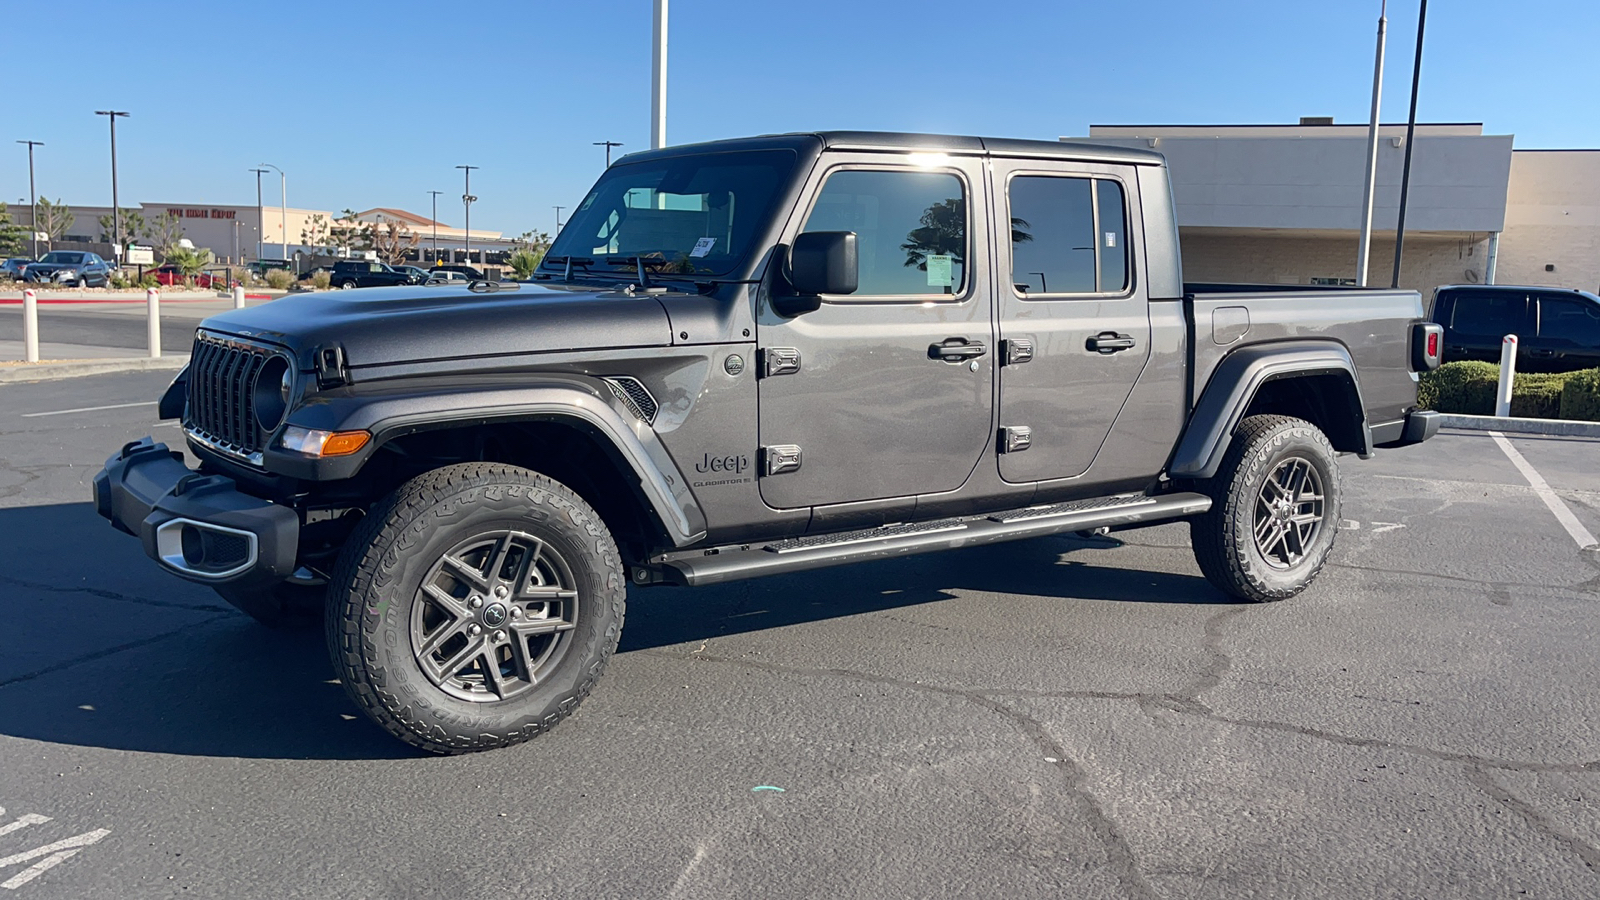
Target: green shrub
<point>1468,388</point>
<point>279,279</point>
<point>322,279</point>
<point>1580,398</point>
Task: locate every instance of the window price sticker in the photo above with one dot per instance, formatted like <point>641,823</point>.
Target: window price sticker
<point>703,247</point>
<point>939,270</point>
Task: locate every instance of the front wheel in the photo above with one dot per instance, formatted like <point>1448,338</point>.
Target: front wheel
<point>346,285</point>
<point>1274,511</point>
<point>475,607</point>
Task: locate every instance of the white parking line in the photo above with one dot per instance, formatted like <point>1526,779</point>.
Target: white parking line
<point>66,412</point>
<point>1557,506</point>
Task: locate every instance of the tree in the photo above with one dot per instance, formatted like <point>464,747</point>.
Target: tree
<point>347,234</point>
<point>13,237</point>
<point>393,240</point>
<point>315,235</point>
<point>54,220</point>
<point>132,225</point>
<point>527,252</point>
<point>189,261</point>
<point>163,232</point>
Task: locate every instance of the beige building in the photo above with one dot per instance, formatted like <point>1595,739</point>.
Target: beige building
<point>1282,204</point>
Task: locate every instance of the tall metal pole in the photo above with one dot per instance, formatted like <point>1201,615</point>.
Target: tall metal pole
<point>658,80</point>
<point>283,222</point>
<point>260,217</point>
<point>608,145</point>
<point>436,225</point>
<point>1411,130</point>
<point>558,218</point>
<point>116,211</point>
<point>1364,256</point>
<point>33,200</point>
<point>466,201</point>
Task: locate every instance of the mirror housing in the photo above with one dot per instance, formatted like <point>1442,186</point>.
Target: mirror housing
<point>824,262</point>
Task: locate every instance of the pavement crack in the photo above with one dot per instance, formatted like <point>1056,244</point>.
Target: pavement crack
<point>1484,781</point>
<point>104,594</point>
<point>1119,854</point>
<point>109,651</point>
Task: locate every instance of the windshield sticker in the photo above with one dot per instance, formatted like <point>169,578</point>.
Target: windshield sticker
<point>1111,239</point>
<point>703,247</point>
<point>939,270</point>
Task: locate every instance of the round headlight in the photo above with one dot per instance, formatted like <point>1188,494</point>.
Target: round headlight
<point>273,387</point>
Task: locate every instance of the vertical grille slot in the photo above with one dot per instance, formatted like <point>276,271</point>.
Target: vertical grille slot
<point>221,397</point>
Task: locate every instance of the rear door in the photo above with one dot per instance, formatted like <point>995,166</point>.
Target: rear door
<point>1478,320</point>
<point>1074,319</point>
<point>886,392</point>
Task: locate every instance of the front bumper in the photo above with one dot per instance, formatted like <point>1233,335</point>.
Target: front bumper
<point>199,527</point>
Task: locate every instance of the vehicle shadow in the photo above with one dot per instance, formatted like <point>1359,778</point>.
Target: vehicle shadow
<point>203,680</point>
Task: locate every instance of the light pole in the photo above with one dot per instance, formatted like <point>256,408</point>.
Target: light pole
<point>466,201</point>
<point>1364,255</point>
<point>608,145</point>
<point>558,218</point>
<point>116,211</point>
<point>283,222</point>
<point>260,231</point>
<point>33,202</point>
<point>1411,131</point>
<point>658,78</point>
<point>436,225</point>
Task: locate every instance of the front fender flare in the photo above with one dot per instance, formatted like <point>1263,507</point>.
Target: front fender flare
<point>390,410</point>
<point>1233,386</point>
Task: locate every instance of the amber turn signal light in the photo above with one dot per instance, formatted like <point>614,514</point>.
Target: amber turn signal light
<point>313,442</point>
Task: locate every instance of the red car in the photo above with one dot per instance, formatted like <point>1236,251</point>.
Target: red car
<point>171,275</point>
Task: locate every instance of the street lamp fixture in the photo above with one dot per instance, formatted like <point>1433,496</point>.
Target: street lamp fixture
<point>608,145</point>
<point>116,211</point>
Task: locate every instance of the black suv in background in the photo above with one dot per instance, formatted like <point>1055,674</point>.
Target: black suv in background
<point>1557,329</point>
<point>360,273</point>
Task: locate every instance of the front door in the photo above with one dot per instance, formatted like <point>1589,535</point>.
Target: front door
<point>886,392</point>
<point>1074,316</point>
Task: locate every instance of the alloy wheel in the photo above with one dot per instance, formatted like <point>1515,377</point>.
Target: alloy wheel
<point>1288,514</point>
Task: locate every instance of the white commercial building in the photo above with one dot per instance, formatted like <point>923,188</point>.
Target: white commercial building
<point>1283,204</point>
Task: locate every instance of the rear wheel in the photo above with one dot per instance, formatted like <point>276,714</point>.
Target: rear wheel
<point>1274,512</point>
<point>346,285</point>
<point>475,607</point>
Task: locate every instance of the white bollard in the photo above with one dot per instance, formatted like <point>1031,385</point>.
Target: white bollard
<point>238,296</point>
<point>1508,375</point>
<point>30,326</point>
<point>152,303</point>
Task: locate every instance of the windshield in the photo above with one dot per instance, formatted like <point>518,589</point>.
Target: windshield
<point>688,215</point>
<point>62,256</point>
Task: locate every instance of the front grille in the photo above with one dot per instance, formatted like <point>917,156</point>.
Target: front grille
<point>221,411</point>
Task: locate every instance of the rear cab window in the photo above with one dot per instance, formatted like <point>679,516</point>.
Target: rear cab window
<point>1489,314</point>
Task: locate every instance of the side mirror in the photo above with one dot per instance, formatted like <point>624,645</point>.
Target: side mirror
<point>824,262</point>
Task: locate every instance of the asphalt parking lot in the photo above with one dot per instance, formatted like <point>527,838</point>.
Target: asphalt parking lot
<point>1051,718</point>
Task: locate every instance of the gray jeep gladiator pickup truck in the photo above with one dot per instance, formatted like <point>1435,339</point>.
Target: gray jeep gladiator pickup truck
<point>750,357</point>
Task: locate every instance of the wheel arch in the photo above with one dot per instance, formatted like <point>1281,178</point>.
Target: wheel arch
<point>1311,380</point>
<point>567,429</point>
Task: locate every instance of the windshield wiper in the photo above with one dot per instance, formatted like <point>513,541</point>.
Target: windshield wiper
<point>569,262</point>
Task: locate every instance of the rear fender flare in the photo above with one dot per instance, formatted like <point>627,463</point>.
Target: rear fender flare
<point>1234,384</point>
<point>388,413</point>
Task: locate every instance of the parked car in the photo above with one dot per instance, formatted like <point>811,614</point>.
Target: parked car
<point>260,267</point>
<point>417,272</point>
<point>808,375</point>
<point>1557,329</point>
<point>170,275</point>
<point>471,273</point>
<point>13,267</point>
<point>360,273</point>
<point>70,267</point>
<point>444,276</point>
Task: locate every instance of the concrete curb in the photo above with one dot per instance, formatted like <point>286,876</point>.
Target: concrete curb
<point>1558,427</point>
<point>75,368</point>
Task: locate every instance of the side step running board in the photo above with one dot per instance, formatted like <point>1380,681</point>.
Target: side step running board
<point>698,567</point>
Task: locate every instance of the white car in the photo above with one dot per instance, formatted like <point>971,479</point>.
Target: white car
<point>447,277</point>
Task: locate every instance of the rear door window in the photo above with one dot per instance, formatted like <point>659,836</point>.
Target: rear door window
<point>1568,321</point>
<point>1490,315</point>
<point>1069,235</point>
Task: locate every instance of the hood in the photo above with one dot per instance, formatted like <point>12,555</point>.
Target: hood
<point>382,326</point>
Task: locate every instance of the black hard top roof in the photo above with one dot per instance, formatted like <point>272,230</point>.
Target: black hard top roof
<point>900,142</point>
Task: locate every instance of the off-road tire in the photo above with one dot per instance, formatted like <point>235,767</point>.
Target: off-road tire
<point>280,606</point>
<point>377,582</point>
<point>1224,538</point>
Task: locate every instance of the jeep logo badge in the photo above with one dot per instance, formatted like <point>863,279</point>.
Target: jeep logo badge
<point>494,615</point>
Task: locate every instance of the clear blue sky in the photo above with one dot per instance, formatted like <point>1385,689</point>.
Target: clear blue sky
<point>371,104</point>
